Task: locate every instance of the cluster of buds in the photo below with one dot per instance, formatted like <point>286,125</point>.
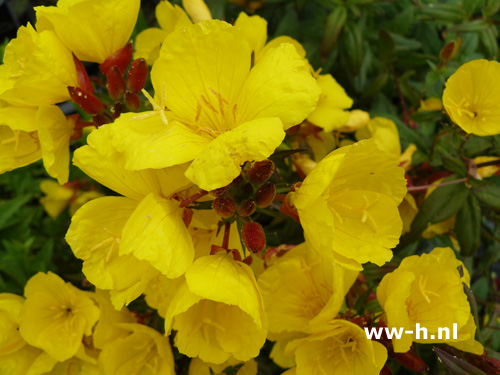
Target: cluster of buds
<point>123,87</point>
<point>249,191</point>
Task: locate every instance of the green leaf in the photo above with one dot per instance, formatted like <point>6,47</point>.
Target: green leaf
<point>444,12</point>
<point>385,45</point>
<point>476,26</point>
<point>8,209</point>
<point>454,164</point>
<point>334,24</point>
<point>487,191</point>
<point>353,44</point>
<point>457,366</point>
<point>489,40</point>
<point>468,226</point>
<point>443,203</point>
<point>492,6</point>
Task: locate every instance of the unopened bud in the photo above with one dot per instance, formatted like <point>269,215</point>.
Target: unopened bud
<point>238,181</point>
<point>224,206</point>
<point>220,192</point>
<point>261,171</point>
<point>137,75</point>
<point>247,208</point>
<point>117,109</point>
<point>132,101</point>
<point>115,84</point>
<point>121,58</point>
<point>265,194</point>
<point>88,102</point>
<point>100,119</point>
<point>253,237</point>
<point>83,78</point>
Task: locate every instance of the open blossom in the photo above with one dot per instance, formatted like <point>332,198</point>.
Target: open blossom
<point>92,29</point>
<point>303,288</point>
<point>223,111</point>
<point>56,316</point>
<point>341,348</point>
<point>126,241</point>
<point>348,204</point>
<point>217,311</point>
<point>471,97</point>
<point>429,292</point>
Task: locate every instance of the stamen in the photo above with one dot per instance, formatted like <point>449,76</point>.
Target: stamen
<point>198,111</point>
<point>207,103</point>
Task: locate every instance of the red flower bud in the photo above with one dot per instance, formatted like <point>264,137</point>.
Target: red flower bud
<point>137,75</point>
<point>116,83</point>
<point>100,119</point>
<point>261,171</point>
<point>220,192</point>
<point>83,78</point>
<point>247,208</point>
<point>117,109</point>
<point>224,206</point>
<point>121,58</point>
<point>265,194</point>
<point>253,237</point>
<point>87,101</point>
<point>132,101</point>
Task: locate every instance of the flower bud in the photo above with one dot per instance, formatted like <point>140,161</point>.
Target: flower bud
<point>132,101</point>
<point>100,119</point>
<point>220,192</point>
<point>224,206</point>
<point>247,208</point>
<point>137,75</point>
<point>88,102</point>
<point>265,194</point>
<point>238,181</point>
<point>253,237</point>
<point>117,109</point>
<point>83,78</point>
<point>115,84</point>
<point>121,58</point>
<point>261,171</point>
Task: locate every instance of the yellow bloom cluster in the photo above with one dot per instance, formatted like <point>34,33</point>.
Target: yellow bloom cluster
<point>188,174</point>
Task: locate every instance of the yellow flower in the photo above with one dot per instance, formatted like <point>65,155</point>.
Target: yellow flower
<point>197,10</point>
<point>219,105</point>
<point>92,29</point>
<point>429,292</point>
<point>358,119</point>
<point>17,148</point>
<point>143,352</point>
<point>198,367</point>
<point>303,288</point>
<point>485,172</point>
<point>330,114</point>
<point>37,69</point>
<point>148,42</point>
<point>56,197</point>
<point>384,132</point>
<point>56,316</point>
<point>126,241</point>
<point>431,104</point>
<point>342,348</point>
<point>471,99</point>
<point>408,210</point>
<point>348,205</point>
<point>217,311</point>
<point>16,356</point>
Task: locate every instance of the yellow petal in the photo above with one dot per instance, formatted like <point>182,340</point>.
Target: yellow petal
<point>213,168</point>
<point>284,85</point>
<point>276,42</point>
<point>107,166</point>
<point>157,234</point>
<point>19,118</point>
<point>37,69</point>
<point>149,143</point>
<point>92,29</point>
<point>330,113</point>
<point>56,199</point>
<point>56,316</point>
<point>197,83</point>
<point>17,148</point>
<point>197,10</point>
<point>171,17</point>
<point>255,30</point>
<point>148,43</point>
<point>54,132</point>
<point>471,97</point>
<point>386,135</point>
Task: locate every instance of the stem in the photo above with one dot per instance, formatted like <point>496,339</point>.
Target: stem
<point>406,117</point>
<point>193,198</point>
<point>225,241</point>
<point>425,187</point>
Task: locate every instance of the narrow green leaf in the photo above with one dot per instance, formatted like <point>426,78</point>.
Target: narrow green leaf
<point>8,209</point>
<point>468,226</point>
<point>443,203</point>
<point>487,192</point>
